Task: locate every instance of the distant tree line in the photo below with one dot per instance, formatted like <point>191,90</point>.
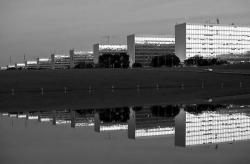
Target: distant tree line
<point>165,60</point>
<point>84,65</point>
<point>200,61</point>
<point>114,115</point>
<point>120,60</point>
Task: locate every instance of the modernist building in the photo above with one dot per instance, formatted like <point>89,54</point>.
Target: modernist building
<point>211,127</point>
<point>44,63</point>
<point>3,68</point>
<point>31,64</point>
<point>228,42</point>
<point>142,48</point>
<point>82,118</point>
<point>20,65</point>
<point>31,116</point>
<point>45,116</point>
<point>61,117</point>
<point>60,61</point>
<point>99,50</point>
<point>111,120</point>
<point>77,57</point>
<point>143,123</point>
<point>11,66</point>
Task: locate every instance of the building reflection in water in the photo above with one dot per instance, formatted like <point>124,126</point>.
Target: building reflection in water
<point>190,124</point>
<point>61,117</point>
<point>152,121</point>
<point>111,119</point>
<point>211,124</point>
<point>31,116</point>
<point>82,118</point>
<point>45,116</point>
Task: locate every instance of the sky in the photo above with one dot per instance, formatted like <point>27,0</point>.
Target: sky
<point>38,28</point>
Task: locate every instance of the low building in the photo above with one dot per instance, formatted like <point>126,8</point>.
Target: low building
<point>20,65</point>
<point>143,123</point>
<point>61,117</point>
<point>142,48</point>
<point>82,118</point>
<point>11,66</point>
<point>60,61</point>
<point>99,49</point>
<point>228,42</point>
<point>44,63</point>
<point>3,68</point>
<point>31,64</point>
<point>111,119</point>
<point>45,116</point>
<point>78,57</point>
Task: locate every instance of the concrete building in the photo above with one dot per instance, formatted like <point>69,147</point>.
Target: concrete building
<point>11,66</point>
<point>142,123</point>
<point>44,63</point>
<point>142,48</point>
<point>77,57</point>
<point>111,120</point>
<point>31,64</point>
<point>31,116</point>
<point>212,127</point>
<point>20,65</point>
<point>60,61</point>
<point>82,118</point>
<point>228,42</point>
<point>3,68</point>
<point>45,116</point>
<point>61,117</point>
<point>99,50</point>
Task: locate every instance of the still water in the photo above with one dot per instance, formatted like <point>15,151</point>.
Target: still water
<point>140,134</point>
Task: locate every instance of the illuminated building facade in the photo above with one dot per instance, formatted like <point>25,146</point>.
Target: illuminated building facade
<point>99,50</point>
<point>82,118</point>
<point>60,61</point>
<point>44,63</point>
<point>77,57</point>
<point>3,68</point>
<point>31,64</point>
<point>11,66</point>
<point>142,48</point>
<point>144,123</point>
<point>45,116</point>
<point>229,42</point>
<point>212,127</point>
<point>20,65</point>
<point>111,120</point>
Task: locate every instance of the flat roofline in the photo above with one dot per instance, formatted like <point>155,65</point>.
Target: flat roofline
<point>154,35</point>
<point>110,44</point>
<point>213,24</point>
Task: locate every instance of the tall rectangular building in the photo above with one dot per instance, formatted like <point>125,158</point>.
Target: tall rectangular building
<point>142,48</point>
<point>77,57</point>
<point>229,42</point>
<point>99,49</point>
<point>212,127</point>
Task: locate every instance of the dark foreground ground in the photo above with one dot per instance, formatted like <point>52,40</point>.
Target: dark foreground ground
<point>92,88</point>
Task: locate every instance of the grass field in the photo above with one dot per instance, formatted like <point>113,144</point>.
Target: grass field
<point>130,87</point>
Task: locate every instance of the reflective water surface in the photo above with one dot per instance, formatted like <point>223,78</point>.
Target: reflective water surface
<point>184,129</point>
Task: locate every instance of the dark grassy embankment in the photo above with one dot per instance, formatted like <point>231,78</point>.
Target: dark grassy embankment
<point>130,87</point>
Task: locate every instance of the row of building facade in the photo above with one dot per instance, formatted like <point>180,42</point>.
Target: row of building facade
<point>225,124</point>
<point>228,42</point>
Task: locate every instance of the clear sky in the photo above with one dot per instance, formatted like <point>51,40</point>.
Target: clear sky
<point>38,27</point>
